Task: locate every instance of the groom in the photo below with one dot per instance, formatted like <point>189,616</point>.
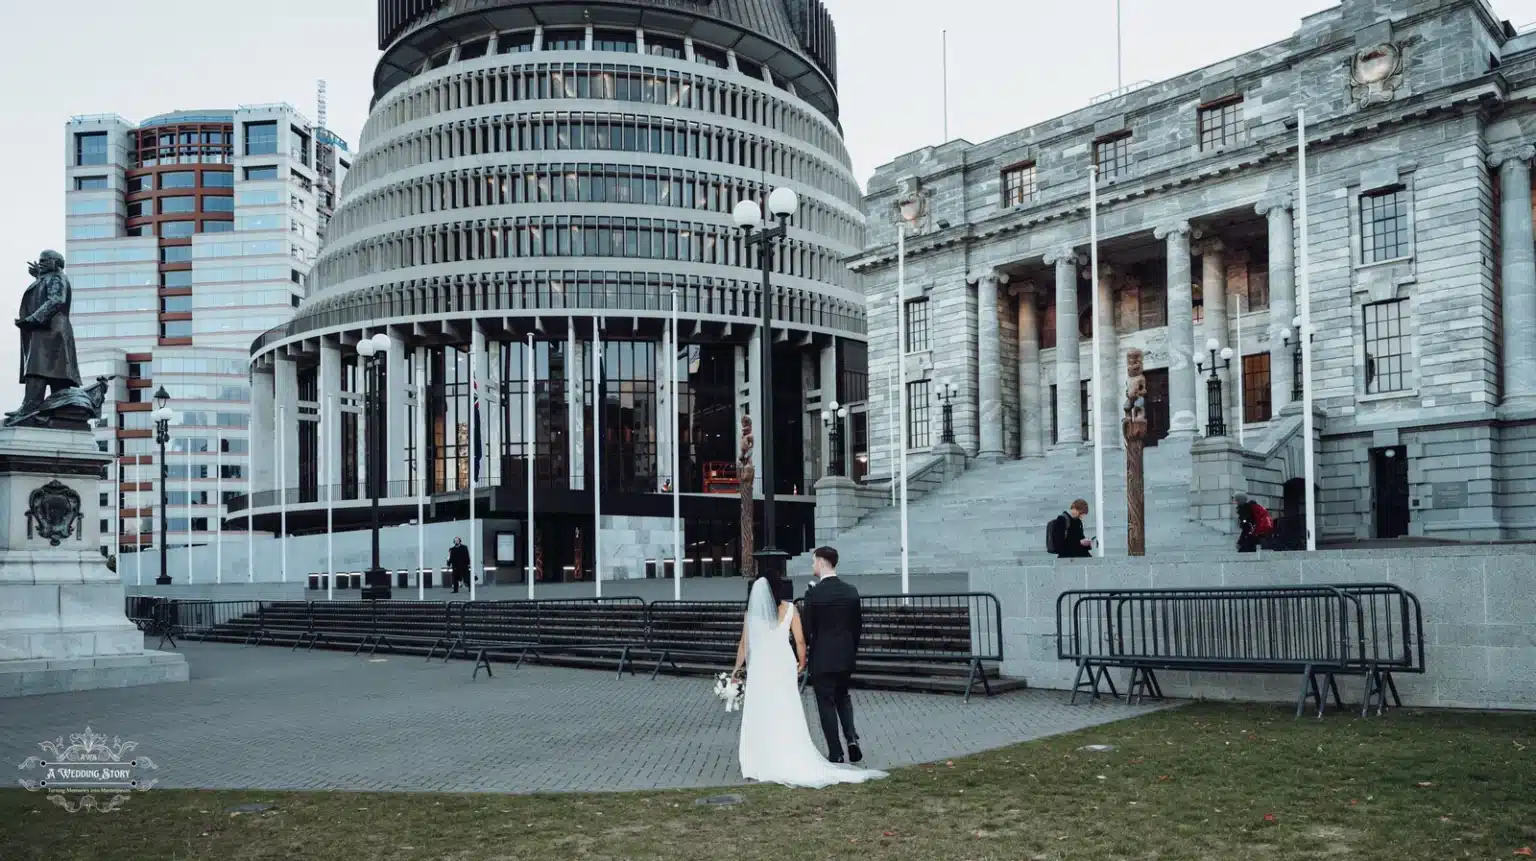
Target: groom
<point>832,623</point>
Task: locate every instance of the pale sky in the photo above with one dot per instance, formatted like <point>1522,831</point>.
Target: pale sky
<point>1012,63</point>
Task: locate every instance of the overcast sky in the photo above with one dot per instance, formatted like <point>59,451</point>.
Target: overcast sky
<point>1012,63</point>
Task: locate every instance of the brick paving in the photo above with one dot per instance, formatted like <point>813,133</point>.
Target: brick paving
<point>268,718</point>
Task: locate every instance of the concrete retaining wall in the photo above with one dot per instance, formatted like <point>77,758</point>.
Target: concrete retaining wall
<point>1479,616</point>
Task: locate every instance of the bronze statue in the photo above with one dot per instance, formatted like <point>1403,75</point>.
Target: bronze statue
<point>1134,426</point>
<point>49,368</point>
<point>745,473</point>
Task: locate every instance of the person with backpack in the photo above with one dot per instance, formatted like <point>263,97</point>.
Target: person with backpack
<point>1064,535</point>
<point>1253,522</point>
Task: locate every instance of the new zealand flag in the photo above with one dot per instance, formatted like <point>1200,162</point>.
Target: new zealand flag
<point>474,432</point>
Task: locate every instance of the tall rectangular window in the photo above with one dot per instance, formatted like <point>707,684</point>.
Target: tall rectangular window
<point>261,138</point>
<point>91,148</point>
<point>1386,348</point>
<point>1221,123</point>
<point>1113,155</point>
<point>917,325</point>
<point>1256,403</point>
<point>1019,184</point>
<point>918,425</point>
<point>1383,225</point>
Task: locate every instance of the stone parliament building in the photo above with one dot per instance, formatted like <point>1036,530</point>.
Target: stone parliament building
<point>1419,130</point>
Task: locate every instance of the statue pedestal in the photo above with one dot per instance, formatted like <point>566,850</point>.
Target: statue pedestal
<point>62,621</point>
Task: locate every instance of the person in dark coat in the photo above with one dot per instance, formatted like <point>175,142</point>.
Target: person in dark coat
<point>458,563</point>
<point>48,362</point>
<point>1071,543</point>
<point>1247,520</point>
<point>832,621</point>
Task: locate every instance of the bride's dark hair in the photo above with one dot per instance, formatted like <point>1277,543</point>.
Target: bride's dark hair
<point>778,585</point>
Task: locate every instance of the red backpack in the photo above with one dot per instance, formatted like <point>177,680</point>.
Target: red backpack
<point>1263,524</point>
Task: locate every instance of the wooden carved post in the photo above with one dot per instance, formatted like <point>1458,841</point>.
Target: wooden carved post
<point>1134,426</point>
<point>745,473</point>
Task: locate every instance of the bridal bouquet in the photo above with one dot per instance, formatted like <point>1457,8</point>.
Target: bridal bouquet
<point>729,689</point>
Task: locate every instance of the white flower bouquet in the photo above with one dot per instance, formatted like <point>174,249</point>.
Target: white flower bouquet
<point>729,689</point>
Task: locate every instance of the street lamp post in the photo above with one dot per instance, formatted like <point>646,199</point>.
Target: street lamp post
<point>162,418</point>
<point>373,351</point>
<point>782,203</point>
<point>832,419</point>
<point>1285,338</point>
<point>948,391</point>
<point>1216,424</point>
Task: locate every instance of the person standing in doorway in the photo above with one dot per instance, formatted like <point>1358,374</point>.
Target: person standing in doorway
<point>458,563</point>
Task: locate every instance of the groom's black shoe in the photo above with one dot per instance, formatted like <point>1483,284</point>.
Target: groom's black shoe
<point>854,753</point>
<point>835,757</point>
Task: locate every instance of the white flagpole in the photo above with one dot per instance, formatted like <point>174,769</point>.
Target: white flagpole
<point>901,371</point>
<point>530,427</point>
<point>677,444</point>
<point>330,493</point>
<point>218,508</point>
<point>282,489</point>
<point>1305,335</point>
<point>117,512</point>
<point>421,484</point>
<point>250,505</point>
<point>892,407</point>
<point>1241,396</point>
<point>474,451</point>
<point>1095,402</point>
<point>189,510</point>
<point>597,457</point>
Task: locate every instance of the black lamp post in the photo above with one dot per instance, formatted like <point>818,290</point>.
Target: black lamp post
<point>1285,338</point>
<point>832,418</point>
<point>782,203</point>
<point>162,417</point>
<point>1216,424</point>
<point>373,350</point>
<point>948,391</point>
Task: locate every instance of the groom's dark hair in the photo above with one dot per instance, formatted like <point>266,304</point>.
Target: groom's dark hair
<point>828,554</point>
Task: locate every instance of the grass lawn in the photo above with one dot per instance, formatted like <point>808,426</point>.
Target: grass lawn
<point>1203,782</point>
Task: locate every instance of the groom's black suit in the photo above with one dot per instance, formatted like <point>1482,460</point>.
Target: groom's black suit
<point>832,622</point>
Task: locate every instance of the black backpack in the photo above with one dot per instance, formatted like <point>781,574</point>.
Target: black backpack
<point>1053,535</point>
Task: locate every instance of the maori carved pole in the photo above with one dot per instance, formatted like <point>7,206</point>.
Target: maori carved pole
<point>1134,426</point>
<point>745,473</point>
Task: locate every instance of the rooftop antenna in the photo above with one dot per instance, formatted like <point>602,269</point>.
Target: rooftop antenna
<point>320,100</point>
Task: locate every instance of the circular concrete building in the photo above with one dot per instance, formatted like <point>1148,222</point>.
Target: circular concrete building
<point>540,182</point>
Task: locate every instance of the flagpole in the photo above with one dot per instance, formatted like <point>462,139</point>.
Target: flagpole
<point>218,509</point>
<point>901,370</point>
<point>282,488</point>
<point>250,505</point>
<point>1096,403</point>
<point>944,64</point>
<point>189,510</point>
<point>327,409</point>
<point>117,513</point>
<point>677,443</point>
<point>421,484</point>
<point>474,457</point>
<point>1305,335</point>
<point>530,427</point>
<point>597,457</point>
<point>1240,397</point>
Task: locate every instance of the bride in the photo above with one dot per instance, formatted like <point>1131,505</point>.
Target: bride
<point>776,744</point>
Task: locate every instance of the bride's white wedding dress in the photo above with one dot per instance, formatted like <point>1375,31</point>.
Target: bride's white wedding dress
<point>776,744</point>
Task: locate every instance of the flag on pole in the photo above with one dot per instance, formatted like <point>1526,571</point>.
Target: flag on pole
<point>474,433</point>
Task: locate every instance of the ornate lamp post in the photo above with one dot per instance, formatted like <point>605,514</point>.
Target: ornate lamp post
<point>373,350</point>
<point>832,419</point>
<point>1285,338</point>
<point>162,417</point>
<point>1216,424</point>
<point>948,391</point>
<point>782,203</point>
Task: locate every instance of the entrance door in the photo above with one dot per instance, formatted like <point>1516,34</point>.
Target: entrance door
<point>1390,468</point>
<point>1157,405</point>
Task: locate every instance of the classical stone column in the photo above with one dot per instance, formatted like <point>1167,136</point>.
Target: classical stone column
<point>263,428</point>
<point>330,411</point>
<point>1213,292</point>
<point>1106,409</point>
<point>1069,410</point>
<point>1282,298</point>
<point>989,365</point>
<point>1032,406</point>
<point>396,427</point>
<point>286,392</point>
<point>1181,334</point>
<point>575,402</point>
<point>1517,264</point>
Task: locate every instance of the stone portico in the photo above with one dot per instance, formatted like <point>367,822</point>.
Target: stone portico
<point>1420,134</point>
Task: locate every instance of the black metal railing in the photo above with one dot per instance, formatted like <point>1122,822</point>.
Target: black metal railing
<point>1319,632</point>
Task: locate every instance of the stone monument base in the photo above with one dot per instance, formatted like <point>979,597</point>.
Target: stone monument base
<point>62,621</point>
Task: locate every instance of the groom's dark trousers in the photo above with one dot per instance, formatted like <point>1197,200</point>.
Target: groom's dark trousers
<point>832,622</point>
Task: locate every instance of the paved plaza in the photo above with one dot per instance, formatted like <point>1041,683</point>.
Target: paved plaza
<point>269,718</point>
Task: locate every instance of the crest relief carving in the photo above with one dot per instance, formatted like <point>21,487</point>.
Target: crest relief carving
<point>1376,72</point>
<point>53,513</point>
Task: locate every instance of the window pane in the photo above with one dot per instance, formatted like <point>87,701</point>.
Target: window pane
<point>1221,124</point>
<point>172,205</point>
<point>261,138</point>
<point>90,183</point>
<point>1019,185</point>
<point>1386,348</point>
<point>179,179</point>
<point>1256,402</point>
<point>1383,226</point>
<point>918,432</point>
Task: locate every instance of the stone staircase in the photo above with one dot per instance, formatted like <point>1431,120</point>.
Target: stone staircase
<point>995,514</point>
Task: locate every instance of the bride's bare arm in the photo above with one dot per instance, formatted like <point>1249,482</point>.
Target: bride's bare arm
<point>799,635</point>
<point>741,649</point>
